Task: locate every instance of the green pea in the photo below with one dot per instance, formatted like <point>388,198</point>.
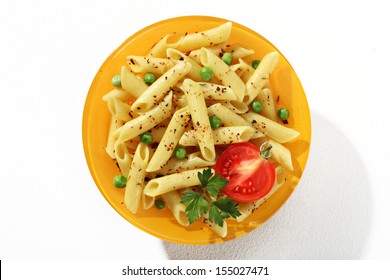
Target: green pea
<point>227,58</point>
<point>255,63</point>
<point>116,80</point>
<point>256,106</point>
<point>146,137</point>
<point>215,122</point>
<point>180,152</point>
<point>159,203</point>
<point>149,78</point>
<point>283,114</point>
<point>120,181</point>
<point>206,73</point>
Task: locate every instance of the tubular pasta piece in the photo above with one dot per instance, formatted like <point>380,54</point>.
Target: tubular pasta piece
<point>267,100</point>
<point>221,135</point>
<point>205,38</point>
<point>270,128</point>
<point>192,161</point>
<point>170,139</point>
<point>160,87</point>
<point>168,183</point>
<point>200,119</point>
<point>222,73</point>
<point>172,200</point>
<point>144,122</point>
<point>135,178</point>
<point>260,77</point>
<point>131,83</point>
<point>144,64</point>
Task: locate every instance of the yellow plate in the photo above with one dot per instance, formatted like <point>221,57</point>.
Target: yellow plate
<point>96,120</point>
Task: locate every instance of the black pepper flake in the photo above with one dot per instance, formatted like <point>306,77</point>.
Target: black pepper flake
<point>285,121</point>
<point>132,61</point>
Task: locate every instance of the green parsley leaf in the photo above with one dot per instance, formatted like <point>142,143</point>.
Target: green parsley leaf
<point>215,215</point>
<point>205,176</point>
<point>227,207</point>
<point>215,184</point>
<point>196,205</point>
<point>201,201</point>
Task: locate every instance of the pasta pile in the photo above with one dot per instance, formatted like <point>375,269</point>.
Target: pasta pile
<point>176,108</point>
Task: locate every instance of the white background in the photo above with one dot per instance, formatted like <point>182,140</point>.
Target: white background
<point>50,52</point>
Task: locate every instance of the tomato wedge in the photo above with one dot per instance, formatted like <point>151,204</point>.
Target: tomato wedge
<point>250,176</point>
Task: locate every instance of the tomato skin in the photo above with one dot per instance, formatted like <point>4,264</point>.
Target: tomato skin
<point>250,176</point>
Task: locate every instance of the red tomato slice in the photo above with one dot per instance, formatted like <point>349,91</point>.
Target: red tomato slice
<point>250,176</point>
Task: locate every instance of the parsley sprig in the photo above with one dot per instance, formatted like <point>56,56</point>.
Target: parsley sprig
<point>202,200</point>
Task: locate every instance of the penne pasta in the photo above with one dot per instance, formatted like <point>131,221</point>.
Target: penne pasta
<point>272,129</point>
<point>123,157</point>
<point>266,98</point>
<point>115,124</point>
<point>238,51</point>
<point>172,182</point>
<point>236,106</point>
<point>230,118</point>
<point>146,121</point>
<point>145,64</point>
<point>200,119</point>
<point>205,38</point>
<point>279,153</point>
<point>119,109</point>
<point>221,135</point>
<point>157,133</point>
<point>131,83</point>
<point>260,77</point>
<point>168,41</point>
<point>217,92</point>
<point>170,139</point>
<point>217,49</point>
<point>194,72</point>
<point>160,87</point>
<point>172,200</point>
<point>191,161</point>
<point>243,70</point>
<point>222,73</point>
<point>118,93</point>
<point>135,178</point>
